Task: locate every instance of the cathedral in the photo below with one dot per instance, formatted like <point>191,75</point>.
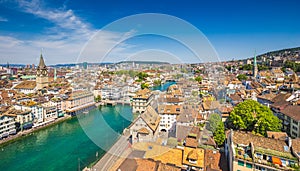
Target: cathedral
<point>41,75</point>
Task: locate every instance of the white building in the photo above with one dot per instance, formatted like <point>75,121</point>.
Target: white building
<point>141,100</point>
<point>7,125</point>
<point>145,127</point>
<point>36,110</point>
<point>49,111</point>
<point>168,115</point>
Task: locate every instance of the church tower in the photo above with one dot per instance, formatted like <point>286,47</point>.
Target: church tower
<point>41,75</point>
<point>255,69</point>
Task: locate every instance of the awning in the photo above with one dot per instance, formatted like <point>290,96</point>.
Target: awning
<point>12,132</point>
<point>276,160</point>
<point>27,126</point>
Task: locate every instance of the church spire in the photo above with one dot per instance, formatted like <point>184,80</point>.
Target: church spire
<point>255,69</point>
<point>42,63</point>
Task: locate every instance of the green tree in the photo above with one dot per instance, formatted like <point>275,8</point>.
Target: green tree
<point>157,82</point>
<point>217,127</point>
<point>98,98</point>
<point>214,120</point>
<point>198,78</point>
<point>142,75</point>
<point>219,134</point>
<point>144,85</point>
<point>247,67</point>
<point>252,116</point>
<point>242,77</point>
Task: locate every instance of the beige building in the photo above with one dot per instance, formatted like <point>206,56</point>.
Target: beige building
<point>78,102</point>
<point>141,100</point>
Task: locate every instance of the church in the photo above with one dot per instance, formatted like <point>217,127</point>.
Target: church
<point>41,75</point>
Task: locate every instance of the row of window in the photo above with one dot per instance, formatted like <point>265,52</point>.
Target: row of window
<point>242,163</point>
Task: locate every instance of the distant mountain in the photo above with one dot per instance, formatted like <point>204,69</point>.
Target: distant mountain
<point>288,53</point>
<point>142,62</point>
<point>282,52</point>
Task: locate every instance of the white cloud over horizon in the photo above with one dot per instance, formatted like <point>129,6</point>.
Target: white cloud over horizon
<point>61,43</point>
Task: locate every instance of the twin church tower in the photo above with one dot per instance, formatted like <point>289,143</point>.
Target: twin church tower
<point>42,80</point>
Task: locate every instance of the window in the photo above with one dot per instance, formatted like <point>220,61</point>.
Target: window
<point>294,127</point>
<point>240,163</point>
<point>248,165</point>
<point>265,157</point>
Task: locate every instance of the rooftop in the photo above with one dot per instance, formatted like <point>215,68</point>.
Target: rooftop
<point>193,154</point>
<point>292,111</point>
<point>26,85</point>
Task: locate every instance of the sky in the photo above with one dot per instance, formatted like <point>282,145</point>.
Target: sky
<point>74,31</point>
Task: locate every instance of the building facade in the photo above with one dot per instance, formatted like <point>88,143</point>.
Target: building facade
<point>141,100</point>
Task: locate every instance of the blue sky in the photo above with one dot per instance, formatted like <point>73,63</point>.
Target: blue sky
<point>61,28</point>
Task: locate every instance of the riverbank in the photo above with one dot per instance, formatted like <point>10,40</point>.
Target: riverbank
<point>25,133</point>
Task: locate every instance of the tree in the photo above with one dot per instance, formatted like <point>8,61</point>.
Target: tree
<point>157,82</point>
<point>199,78</point>
<point>253,116</point>
<point>217,127</point>
<point>214,120</point>
<point>98,98</point>
<point>219,134</point>
<point>144,85</point>
<point>242,77</point>
<point>142,75</point>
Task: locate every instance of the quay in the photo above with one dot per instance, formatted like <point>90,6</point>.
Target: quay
<point>34,129</point>
<point>116,152</point>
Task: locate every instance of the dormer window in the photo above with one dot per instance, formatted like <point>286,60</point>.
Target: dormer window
<point>193,161</point>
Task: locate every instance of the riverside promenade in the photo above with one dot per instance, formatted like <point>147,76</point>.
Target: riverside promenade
<point>32,130</point>
<point>113,155</point>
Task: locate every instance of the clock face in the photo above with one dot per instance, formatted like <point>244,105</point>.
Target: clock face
<point>38,72</point>
<point>44,72</point>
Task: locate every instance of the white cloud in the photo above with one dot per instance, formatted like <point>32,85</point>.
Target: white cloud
<point>61,43</point>
<point>64,20</point>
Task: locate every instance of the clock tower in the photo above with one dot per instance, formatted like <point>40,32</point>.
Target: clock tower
<point>41,75</point>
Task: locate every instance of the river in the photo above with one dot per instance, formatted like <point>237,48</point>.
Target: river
<point>66,146</point>
<point>71,144</point>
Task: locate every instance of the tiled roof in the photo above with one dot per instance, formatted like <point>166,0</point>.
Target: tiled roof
<point>267,96</point>
<point>26,85</point>
<point>145,165</point>
<point>151,118</point>
<point>296,145</point>
<point>182,131</point>
<point>173,156</point>
<point>191,142</point>
<point>292,111</point>
<point>170,109</point>
<point>212,159</point>
<point>259,141</point>
<point>192,153</point>
<point>235,97</point>
<point>143,94</point>
<point>210,105</point>
<point>277,135</point>
<point>281,97</point>
<point>166,167</point>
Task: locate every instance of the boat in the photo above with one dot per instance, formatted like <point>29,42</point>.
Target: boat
<point>85,112</point>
